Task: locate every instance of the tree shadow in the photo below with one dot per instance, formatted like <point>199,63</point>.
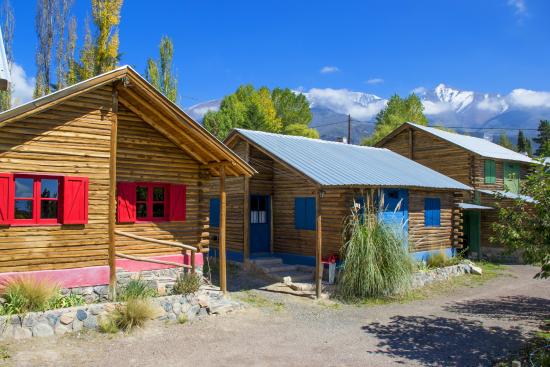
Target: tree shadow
<point>435,340</point>
<point>512,308</point>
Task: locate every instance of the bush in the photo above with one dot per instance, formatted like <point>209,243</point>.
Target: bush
<point>107,325</point>
<point>137,288</point>
<point>376,264</point>
<point>28,294</point>
<point>70,300</point>
<point>440,260</point>
<point>187,283</point>
<point>134,313</point>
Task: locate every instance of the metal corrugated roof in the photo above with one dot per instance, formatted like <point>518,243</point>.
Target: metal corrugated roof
<point>339,164</point>
<point>483,147</point>
<point>469,206</point>
<point>508,195</point>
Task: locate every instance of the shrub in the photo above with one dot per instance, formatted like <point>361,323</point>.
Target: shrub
<point>107,325</point>
<point>27,294</point>
<point>376,264</point>
<point>437,260</point>
<point>134,313</point>
<point>182,318</point>
<point>137,288</point>
<point>70,300</point>
<point>187,283</point>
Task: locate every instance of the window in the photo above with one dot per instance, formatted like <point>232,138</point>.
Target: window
<point>511,177</point>
<point>490,171</point>
<point>27,199</point>
<point>150,202</point>
<point>258,209</point>
<point>215,212</point>
<point>304,213</point>
<point>432,212</point>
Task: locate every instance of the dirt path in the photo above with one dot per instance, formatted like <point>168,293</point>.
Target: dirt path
<point>463,327</point>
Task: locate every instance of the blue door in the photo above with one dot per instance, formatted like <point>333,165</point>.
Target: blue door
<point>394,210</point>
<point>260,237</point>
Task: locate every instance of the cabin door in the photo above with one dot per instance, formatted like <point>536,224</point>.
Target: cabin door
<point>472,232</point>
<point>394,211</point>
<point>260,236</point>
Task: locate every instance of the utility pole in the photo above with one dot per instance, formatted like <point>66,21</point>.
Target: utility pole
<point>349,129</point>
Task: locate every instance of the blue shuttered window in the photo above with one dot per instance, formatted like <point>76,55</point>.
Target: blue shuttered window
<point>432,212</point>
<point>215,212</point>
<point>304,213</point>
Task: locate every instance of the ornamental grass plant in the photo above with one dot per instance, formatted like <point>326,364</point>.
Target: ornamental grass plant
<point>376,261</point>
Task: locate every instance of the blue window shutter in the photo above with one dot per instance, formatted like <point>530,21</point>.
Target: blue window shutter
<point>311,213</point>
<point>436,212</point>
<point>427,212</point>
<point>215,212</point>
<point>299,213</point>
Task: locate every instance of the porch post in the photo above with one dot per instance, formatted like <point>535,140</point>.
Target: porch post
<point>112,194</point>
<point>318,246</point>
<point>223,214</point>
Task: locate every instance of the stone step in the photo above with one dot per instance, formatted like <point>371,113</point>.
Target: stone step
<point>279,268</point>
<point>267,261</point>
<point>295,276</point>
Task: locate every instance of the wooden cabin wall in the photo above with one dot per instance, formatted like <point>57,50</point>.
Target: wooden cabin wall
<point>145,155</point>
<point>422,238</point>
<point>262,182</point>
<point>287,185</point>
<point>72,138</point>
<point>479,177</point>
<point>400,144</point>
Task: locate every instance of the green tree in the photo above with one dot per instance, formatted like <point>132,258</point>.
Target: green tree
<point>398,111</point>
<point>106,17</point>
<point>301,130</point>
<point>44,25</point>
<point>504,140</point>
<point>524,144</point>
<point>543,139</point>
<point>62,11</point>
<point>8,26</point>
<point>525,226</point>
<point>71,73</point>
<point>160,73</point>
<point>291,108</point>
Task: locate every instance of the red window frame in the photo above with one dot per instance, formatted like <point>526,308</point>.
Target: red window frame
<point>150,202</point>
<point>36,200</point>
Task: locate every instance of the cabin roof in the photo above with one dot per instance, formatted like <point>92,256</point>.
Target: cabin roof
<point>154,108</point>
<point>508,195</point>
<point>338,164</point>
<point>479,146</point>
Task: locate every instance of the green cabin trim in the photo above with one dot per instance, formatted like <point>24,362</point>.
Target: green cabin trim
<point>490,171</point>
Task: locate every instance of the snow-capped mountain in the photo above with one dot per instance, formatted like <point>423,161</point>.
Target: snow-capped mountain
<point>460,109</point>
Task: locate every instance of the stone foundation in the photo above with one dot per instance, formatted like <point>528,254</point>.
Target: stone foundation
<point>208,300</point>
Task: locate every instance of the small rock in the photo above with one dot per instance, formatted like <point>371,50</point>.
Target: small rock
<point>77,325</point>
<point>60,330</point>
<point>95,309</point>
<point>101,290</point>
<point>516,363</point>
<point>42,330</point>
<point>6,332</point>
<point>203,312</point>
<point>287,280</point>
<point>90,322</point>
<point>81,315</point>
<point>476,270</point>
<point>221,309</point>
<point>109,307</point>
<point>15,320</point>
<point>167,307</point>
<point>194,310</point>
<point>203,301</point>
<point>176,307</point>
<point>171,316</point>
<point>161,290</point>
<point>21,333</point>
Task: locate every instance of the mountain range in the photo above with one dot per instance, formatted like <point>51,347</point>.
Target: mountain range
<point>481,114</point>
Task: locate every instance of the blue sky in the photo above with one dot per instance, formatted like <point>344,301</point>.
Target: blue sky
<point>371,46</point>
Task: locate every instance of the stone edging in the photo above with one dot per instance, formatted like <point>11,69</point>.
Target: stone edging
<point>208,300</point>
<point>422,278</point>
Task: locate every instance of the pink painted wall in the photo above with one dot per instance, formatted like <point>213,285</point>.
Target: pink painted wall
<point>99,275</point>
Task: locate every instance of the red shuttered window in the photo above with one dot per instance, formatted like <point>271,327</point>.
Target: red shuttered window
<point>150,202</point>
<point>27,199</point>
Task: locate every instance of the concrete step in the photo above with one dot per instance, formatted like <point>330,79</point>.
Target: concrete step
<point>267,261</point>
<point>279,268</point>
<point>296,276</point>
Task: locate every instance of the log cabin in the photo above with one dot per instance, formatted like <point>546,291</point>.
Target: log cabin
<point>296,205</point>
<point>493,171</point>
<point>106,174</point>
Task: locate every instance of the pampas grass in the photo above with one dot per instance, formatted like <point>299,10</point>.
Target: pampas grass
<point>28,294</point>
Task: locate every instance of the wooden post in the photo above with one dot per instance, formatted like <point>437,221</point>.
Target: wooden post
<point>112,194</point>
<point>246,210</point>
<point>411,144</point>
<point>193,253</point>
<point>318,246</point>
<point>221,247</point>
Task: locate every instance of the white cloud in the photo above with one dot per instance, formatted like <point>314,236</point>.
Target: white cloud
<point>375,81</point>
<point>529,98</point>
<point>329,70</point>
<point>492,104</point>
<point>360,105</point>
<point>435,108</point>
<point>519,6</point>
<point>420,90</point>
<point>23,86</point>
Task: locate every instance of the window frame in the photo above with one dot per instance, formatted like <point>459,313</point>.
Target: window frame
<point>150,202</point>
<point>36,200</point>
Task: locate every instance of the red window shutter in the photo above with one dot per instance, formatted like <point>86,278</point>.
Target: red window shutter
<point>75,200</point>
<point>6,196</point>
<point>126,199</point>
<point>178,202</point>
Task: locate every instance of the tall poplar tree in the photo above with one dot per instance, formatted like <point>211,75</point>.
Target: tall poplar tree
<point>44,25</point>
<point>8,26</point>
<point>62,9</point>
<point>160,73</point>
<point>106,17</point>
<point>504,140</point>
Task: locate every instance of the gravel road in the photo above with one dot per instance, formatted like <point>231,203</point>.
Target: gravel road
<point>463,326</point>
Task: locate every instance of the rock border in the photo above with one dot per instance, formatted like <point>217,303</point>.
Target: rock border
<point>208,300</point>
<point>423,278</point>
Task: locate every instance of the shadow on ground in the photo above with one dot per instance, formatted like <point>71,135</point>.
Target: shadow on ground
<point>513,308</point>
<point>444,341</point>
